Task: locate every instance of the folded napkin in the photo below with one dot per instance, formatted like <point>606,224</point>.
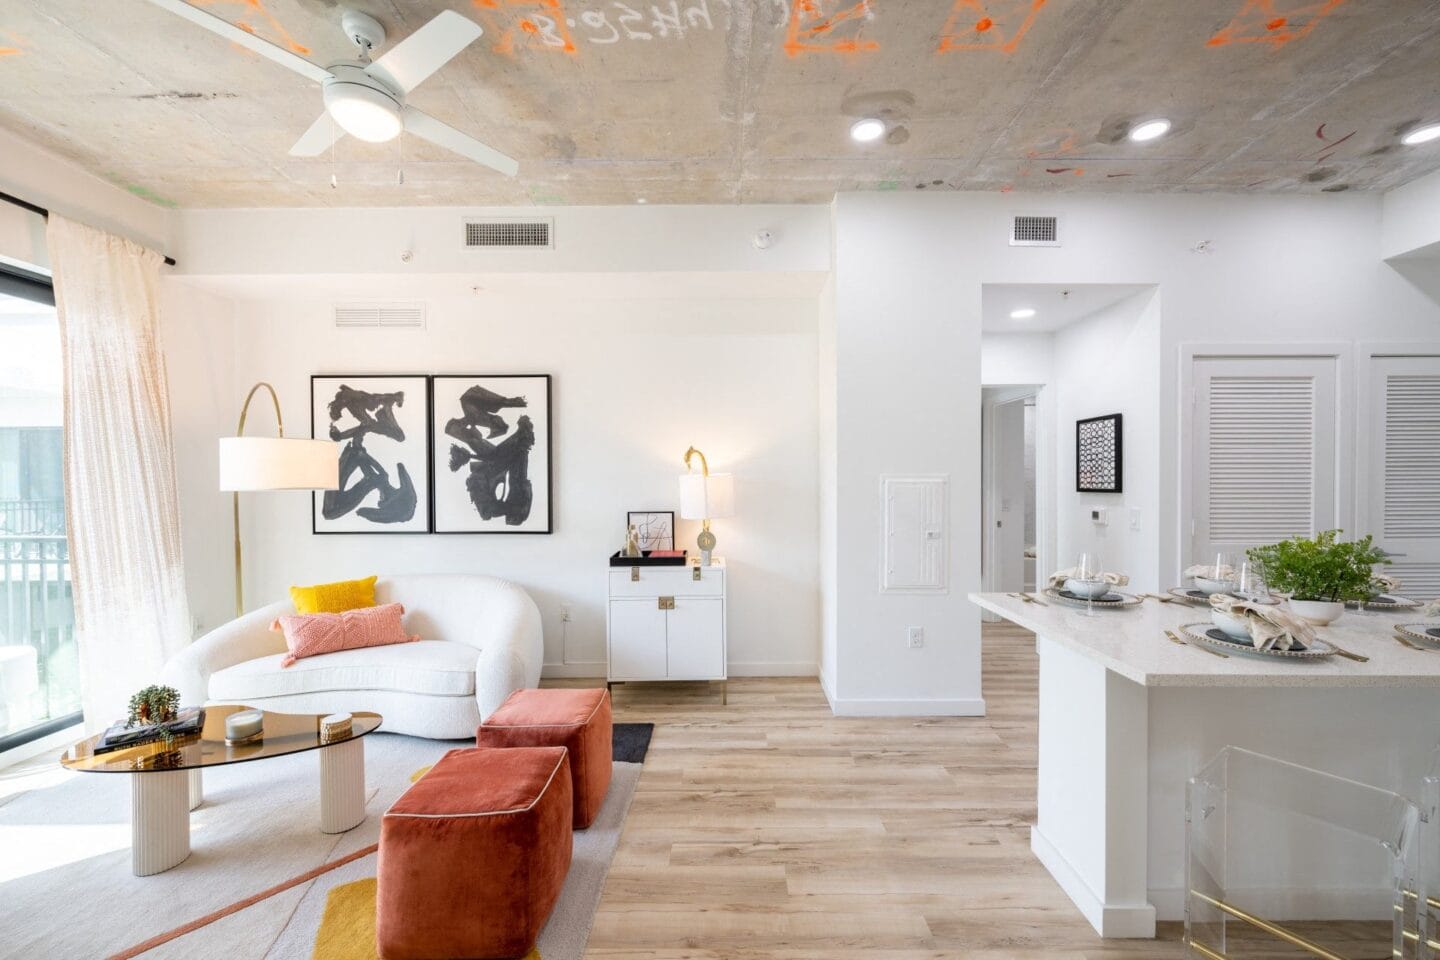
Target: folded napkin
<point>1211,572</point>
<point>1058,578</point>
<point>1384,582</point>
<point>1432,609</point>
<point>1272,627</point>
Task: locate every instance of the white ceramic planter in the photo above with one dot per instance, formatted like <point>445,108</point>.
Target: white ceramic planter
<point>1318,612</point>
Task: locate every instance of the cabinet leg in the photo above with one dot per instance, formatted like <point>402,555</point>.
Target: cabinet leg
<point>724,692</point>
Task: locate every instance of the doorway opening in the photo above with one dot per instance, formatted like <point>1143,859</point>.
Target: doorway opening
<point>1009,432</point>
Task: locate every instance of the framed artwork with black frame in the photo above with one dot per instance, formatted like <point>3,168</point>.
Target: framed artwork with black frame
<point>1100,454</point>
<point>655,527</point>
<point>382,423</point>
<point>491,449</point>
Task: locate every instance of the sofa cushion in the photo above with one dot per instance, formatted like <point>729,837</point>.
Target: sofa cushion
<point>314,634</point>
<point>431,667</point>
<point>334,597</point>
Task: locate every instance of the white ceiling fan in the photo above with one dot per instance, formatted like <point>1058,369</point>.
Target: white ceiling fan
<point>366,98</point>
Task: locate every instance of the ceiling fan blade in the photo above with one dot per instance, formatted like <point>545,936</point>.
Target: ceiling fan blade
<point>316,140</point>
<point>406,65</point>
<point>426,126</point>
<point>246,39</point>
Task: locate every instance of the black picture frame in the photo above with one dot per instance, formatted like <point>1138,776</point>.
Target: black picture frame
<point>420,434</point>
<point>644,544</point>
<point>1100,454</point>
<point>447,516</point>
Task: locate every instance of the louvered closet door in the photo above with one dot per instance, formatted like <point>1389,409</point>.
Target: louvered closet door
<point>1263,451</point>
<point>1403,464</point>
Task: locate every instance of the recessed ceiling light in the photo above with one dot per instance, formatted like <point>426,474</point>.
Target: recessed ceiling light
<point>1024,313</point>
<point>1425,134</point>
<point>1150,130</point>
<point>867,130</point>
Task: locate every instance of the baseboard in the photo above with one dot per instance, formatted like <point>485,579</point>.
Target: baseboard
<point>1109,920</point>
<point>825,688</point>
<point>843,707</point>
<point>775,668</point>
<point>1292,903</point>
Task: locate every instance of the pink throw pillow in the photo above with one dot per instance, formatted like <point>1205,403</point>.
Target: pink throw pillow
<point>310,635</point>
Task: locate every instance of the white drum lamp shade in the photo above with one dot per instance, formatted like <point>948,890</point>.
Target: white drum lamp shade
<point>707,497</point>
<point>278,463</point>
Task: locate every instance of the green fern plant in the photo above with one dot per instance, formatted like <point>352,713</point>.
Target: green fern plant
<point>158,705</point>
<point>1324,568</point>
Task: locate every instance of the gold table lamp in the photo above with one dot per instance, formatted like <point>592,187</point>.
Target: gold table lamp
<point>705,496</point>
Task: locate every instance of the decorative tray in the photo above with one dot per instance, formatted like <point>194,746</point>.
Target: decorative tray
<point>1112,599</point>
<point>646,560</point>
<point>1427,633</point>
<point>1193,596</point>
<point>1384,602</point>
<point>1209,635</point>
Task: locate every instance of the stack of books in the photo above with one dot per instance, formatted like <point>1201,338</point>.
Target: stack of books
<point>189,721</point>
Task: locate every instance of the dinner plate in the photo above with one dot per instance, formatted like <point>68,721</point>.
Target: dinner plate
<point>1114,598</point>
<point>1384,602</point>
<point>1217,639</point>
<point>1193,596</point>
<point>1427,633</point>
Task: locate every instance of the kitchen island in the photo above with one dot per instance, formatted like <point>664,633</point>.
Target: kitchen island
<point>1126,717</point>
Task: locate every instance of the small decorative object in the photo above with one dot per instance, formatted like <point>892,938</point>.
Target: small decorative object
<point>705,496</point>
<point>336,726</point>
<point>1322,574</point>
<point>154,704</point>
<point>491,446</point>
<point>382,426</point>
<point>656,528</point>
<point>244,726</point>
<point>1099,454</point>
<point>632,542</point>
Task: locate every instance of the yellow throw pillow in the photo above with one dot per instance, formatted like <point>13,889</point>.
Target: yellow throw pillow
<point>334,597</point>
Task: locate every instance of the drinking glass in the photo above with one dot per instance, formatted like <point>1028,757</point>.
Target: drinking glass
<point>1250,583</point>
<point>1089,568</point>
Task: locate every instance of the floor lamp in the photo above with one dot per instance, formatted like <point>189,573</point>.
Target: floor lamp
<point>272,463</point>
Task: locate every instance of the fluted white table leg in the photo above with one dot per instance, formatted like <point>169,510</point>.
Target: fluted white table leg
<point>159,820</point>
<point>197,788</point>
<point>342,786</point>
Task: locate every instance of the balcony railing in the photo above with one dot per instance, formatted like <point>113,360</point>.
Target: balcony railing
<point>30,517</point>
<point>39,662</point>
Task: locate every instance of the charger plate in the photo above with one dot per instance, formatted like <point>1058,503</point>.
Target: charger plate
<point>1114,598</point>
<point>1428,633</point>
<point>1384,602</point>
<point>1208,635</point>
<point>1194,597</point>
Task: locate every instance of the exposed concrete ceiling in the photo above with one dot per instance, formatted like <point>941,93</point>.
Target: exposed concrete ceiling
<point>1056,305</point>
<point>724,101</point>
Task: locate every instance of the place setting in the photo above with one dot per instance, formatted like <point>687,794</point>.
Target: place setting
<point>1386,598</point>
<point>1264,630</point>
<point>1222,575</point>
<point>1088,585</point>
<point>1421,636</point>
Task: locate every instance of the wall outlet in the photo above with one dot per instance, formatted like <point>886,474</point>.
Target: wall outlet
<point>915,637</point>
<point>1098,516</point>
<point>565,614</point>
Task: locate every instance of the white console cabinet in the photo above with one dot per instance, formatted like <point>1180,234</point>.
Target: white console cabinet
<point>666,623</point>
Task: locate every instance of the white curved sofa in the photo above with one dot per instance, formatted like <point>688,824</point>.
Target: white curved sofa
<point>480,640</point>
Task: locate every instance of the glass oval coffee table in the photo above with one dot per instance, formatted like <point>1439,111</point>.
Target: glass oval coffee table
<point>164,783</point>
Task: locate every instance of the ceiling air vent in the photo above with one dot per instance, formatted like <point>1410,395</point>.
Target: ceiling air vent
<point>1035,232</point>
<point>509,232</point>
<point>379,315</point>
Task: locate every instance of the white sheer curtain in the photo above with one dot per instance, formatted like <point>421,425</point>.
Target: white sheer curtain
<point>120,497</point>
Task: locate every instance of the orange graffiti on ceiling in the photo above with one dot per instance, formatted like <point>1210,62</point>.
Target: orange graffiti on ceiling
<point>258,8</point>
<point>988,25</point>
<point>812,31</point>
<point>541,24</point>
<point>12,44</point>
<point>1276,22</point>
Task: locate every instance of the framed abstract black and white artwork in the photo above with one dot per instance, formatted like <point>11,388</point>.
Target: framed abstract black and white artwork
<point>1099,454</point>
<point>492,453</point>
<point>382,424</point>
<point>656,528</point>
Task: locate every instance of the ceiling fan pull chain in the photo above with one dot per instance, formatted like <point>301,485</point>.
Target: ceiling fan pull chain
<point>400,171</point>
<point>334,183</point>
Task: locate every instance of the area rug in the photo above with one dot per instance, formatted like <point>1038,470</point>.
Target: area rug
<point>66,887</point>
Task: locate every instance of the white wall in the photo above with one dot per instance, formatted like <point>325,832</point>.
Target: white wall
<point>826,495</point>
<point>1108,363</point>
<point>1410,219</point>
<point>1016,359</point>
<point>636,381</point>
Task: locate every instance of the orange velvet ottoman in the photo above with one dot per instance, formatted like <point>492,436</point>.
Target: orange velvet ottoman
<point>472,857</point>
<point>578,720</point>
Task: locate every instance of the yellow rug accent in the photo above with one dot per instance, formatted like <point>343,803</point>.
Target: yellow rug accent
<point>421,772</point>
<point>347,929</point>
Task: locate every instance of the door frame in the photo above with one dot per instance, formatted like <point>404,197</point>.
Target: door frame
<point>1044,479</point>
<point>1342,353</point>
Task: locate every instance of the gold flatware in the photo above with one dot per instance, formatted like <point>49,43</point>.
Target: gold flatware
<point>1156,596</point>
<point>1348,655</point>
<point>1029,599</point>
<point>1219,653</point>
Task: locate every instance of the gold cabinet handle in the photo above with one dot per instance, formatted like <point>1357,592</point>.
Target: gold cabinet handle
<point>666,603</point>
<point>634,574</point>
<point>695,573</point>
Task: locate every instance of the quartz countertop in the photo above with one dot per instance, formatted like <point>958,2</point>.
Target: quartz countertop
<point>1131,642</point>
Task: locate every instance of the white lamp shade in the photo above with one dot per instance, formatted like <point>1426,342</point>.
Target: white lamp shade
<point>707,498</point>
<point>278,463</point>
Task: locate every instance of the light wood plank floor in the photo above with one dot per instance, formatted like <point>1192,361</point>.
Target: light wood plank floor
<point>770,828</point>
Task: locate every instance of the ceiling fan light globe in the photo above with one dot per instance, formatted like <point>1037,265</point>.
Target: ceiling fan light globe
<point>363,112</point>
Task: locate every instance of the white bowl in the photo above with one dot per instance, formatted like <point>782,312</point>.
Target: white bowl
<point>1090,589</point>
<point>1232,626</point>
<point>1207,585</point>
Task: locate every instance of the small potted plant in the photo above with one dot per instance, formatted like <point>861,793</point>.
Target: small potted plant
<point>1322,574</point>
<point>155,705</point>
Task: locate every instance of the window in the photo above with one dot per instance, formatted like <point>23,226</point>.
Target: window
<point>39,661</point>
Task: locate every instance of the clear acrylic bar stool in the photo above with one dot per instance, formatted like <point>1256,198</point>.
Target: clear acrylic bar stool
<point>1285,861</point>
<point>1426,902</point>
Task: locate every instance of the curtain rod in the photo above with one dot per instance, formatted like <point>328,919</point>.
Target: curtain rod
<point>27,205</point>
